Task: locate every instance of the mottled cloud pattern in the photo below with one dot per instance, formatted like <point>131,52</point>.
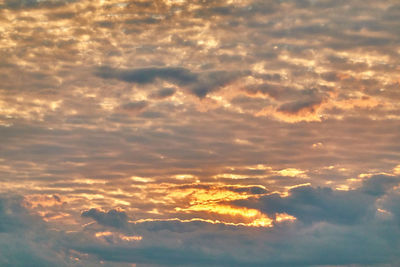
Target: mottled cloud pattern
<point>199,133</point>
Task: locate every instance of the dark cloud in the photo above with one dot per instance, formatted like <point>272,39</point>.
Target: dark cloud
<point>391,203</point>
<point>181,76</point>
<point>282,93</point>
<point>113,217</point>
<point>158,255</point>
<point>61,15</point>
<point>152,114</point>
<point>134,106</point>
<point>374,238</point>
<point>309,105</point>
<point>163,93</point>
<point>12,213</point>
<point>312,205</point>
<point>378,185</point>
<point>304,242</point>
<point>149,20</point>
<point>213,80</point>
<point>19,4</point>
<point>252,8</point>
<point>256,190</point>
<point>25,239</point>
<point>200,84</point>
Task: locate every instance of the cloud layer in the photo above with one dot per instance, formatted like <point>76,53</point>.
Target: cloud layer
<point>356,227</point>
<point>238,132</point>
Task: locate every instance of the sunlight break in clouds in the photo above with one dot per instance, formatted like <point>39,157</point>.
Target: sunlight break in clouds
<point>199,133</point>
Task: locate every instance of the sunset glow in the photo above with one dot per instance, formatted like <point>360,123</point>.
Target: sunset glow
<point>199,133</point>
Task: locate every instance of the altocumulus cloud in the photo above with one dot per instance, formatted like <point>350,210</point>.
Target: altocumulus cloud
<point>131,111</point>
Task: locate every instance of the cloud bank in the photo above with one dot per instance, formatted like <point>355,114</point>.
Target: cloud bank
<point>332,227</point>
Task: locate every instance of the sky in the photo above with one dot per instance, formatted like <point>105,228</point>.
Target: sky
<point>199,133</point>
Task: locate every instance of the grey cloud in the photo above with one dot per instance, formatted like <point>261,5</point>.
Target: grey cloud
<point>13,214</point>
<point>378,185</point>
<point>148,75</point>
<point>330,76</point>
<point>256,190</point>
<point>163,93</point>
<point>391,203</point>
<point>251,104</point>
<point>134,106</point>
<point>26,4</point>
<point>105,24</point>
<point>157,255</point>
<point>319,204</point>
<point>173,242</point>
<point>177,226</point>
<point>283,93</point>
<point>298,106</point>
<point>152,114</point>
<point>292,100</point>
<point>200,84</point>
<point>149,20</point>
<point>370,240</point>
<point>344,224</point>
<point>213,80</point>
<point>312,205</point>
<point>113,217</point>
<point>61,15</point>
<point>234,11</point>
<point>24,238</point>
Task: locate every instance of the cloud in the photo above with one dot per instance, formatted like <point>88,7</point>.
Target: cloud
<point>163,93</point>
<point>368,235</point>
<point>197,75</point>
<point>309,105</point>
<point>157,255</point>
<point>199,84</point>
<point>148,75</point>
<point>24,238</point>
<point>391,207</point>
<point>115,218</point>
<point>378,185</point>
<point>363,238</point>
<point>133,107</point>
<point>27,4</point>
<point>12,214</point>
<point>313,205</point>
<point>250,189</point>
